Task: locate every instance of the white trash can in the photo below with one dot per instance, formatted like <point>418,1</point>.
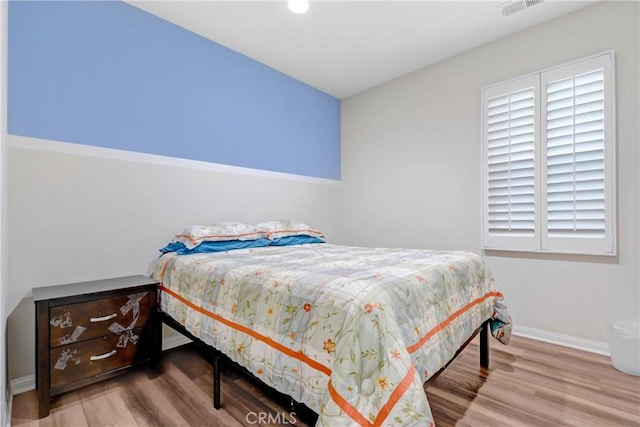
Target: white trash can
<point>624,342</point>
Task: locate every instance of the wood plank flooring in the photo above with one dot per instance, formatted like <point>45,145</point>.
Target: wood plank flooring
<point>529,383</point>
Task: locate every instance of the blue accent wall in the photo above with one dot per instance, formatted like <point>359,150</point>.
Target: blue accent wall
<point>108,74</point>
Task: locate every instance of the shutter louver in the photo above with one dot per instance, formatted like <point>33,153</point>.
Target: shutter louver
<point>511,161</point>
<point>575,156</point>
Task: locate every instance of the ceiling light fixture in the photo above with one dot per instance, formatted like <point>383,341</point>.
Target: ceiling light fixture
<point>298,6</point>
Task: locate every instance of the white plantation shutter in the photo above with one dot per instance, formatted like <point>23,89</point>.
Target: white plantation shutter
<point>575,156</point>
<point>578,159</point>
<point>549,150</point>
<point>510,142</point>
<point>511,163</point>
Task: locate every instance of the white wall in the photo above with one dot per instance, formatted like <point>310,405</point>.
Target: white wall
<point>3,216</point>
<point>411,171</point>
<point>80,213</point>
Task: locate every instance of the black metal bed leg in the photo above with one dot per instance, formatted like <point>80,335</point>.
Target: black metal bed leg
<point>216,382</point>
<point>484,346</point>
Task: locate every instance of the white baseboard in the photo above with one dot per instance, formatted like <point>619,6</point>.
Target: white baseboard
<point>22,384</point>
<point>563,340</point>
<point>28,382</point>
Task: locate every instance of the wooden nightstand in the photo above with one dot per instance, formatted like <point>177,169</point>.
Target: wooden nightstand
<point>87,332</point>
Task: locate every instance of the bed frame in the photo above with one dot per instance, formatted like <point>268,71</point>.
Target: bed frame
<point>219,359</point>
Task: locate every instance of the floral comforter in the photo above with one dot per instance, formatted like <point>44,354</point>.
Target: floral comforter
<point>351,332</point>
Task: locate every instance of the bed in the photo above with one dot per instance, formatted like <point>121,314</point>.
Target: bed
<point>351,332</point>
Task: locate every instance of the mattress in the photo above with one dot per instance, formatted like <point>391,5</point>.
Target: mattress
<point>351,332</point>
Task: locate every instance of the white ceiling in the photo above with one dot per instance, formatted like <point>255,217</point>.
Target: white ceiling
<point>345,47</point>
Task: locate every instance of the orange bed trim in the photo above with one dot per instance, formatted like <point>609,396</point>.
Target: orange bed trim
<point>347,408</point>
<point>286,350</point>
<point>397,393</point>
<point>413,348</point>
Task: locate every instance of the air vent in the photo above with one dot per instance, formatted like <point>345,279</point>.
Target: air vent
<point>512,7</point>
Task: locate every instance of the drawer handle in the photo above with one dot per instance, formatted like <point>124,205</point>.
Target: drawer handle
<point>103,356</point>
<point>103,318</point>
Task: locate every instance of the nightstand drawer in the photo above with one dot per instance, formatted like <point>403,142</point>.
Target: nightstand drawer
<point>86,320</point>
<point>75,362</point>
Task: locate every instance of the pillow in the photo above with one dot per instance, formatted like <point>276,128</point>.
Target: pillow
<point>194,235</point>
<point>287,227</point>
<point>219,246</point>
<point>295,240</point>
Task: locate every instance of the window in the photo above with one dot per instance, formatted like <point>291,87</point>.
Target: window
<point>549,160</point>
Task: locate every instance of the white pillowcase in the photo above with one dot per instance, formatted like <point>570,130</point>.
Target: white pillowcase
<point>193,235</point>
<point>288,227</point>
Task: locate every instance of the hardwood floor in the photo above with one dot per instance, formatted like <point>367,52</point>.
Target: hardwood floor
<point>529,383</point>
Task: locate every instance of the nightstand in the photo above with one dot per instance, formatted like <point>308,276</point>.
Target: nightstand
<point>90,331</point>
